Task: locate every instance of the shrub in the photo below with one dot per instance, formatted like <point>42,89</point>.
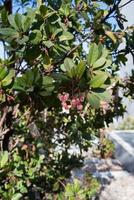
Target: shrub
<point>55,96</point>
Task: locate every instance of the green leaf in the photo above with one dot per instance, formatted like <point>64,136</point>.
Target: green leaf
<point>69,67</point>
<point>107,64</point>
<point>49,44</point>
<point>104,96</point>
<point>105,53</point>
<point>93,100</point>
<point>29,77</point>
<point>17,196</point>
<point>111,35</point>
<point>68,64</point>
<point>99,63</point>
<point>8,79</point>
<point>99,79</point>
<point>32,53</point>
<point>65,9</point>
<point>100,50</point>
<point>18,20</point>
<point>4,16</point>
<point>47,80</point>
<point>28,82</point>
<point>47,85</point>
<point>80,69</point>
<point>19,84</point>
<point>3,73</point>
<point>9,32</point>
<point>39,3</point>
<point>66,36</point>
<point>49,14</point>
<point>27,23</point>
<point>56,32</point>
<point>18,87</point>
<point>93,54</point>
<point>35,37</point>
<point>3,158</point>
<point>43,10</point>
<point>11,19</point>
<point>23,40</point>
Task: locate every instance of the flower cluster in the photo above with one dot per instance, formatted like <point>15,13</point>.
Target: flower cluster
<point>68,102</point>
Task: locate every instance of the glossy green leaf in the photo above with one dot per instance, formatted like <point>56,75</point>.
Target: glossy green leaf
<point>69,67</point>
<point>23,40</point>
<point>105,53</point>
<point>11,19</point>
<point>18,87</point>
<point>47,80</point>
<point>17,196</point>
<point>4,16</point>
<point>28,81</point>
<point>100,50</point>
<point>66,36</point>
<point>80,69</point>
<point>99,79</point>
<point>3,72</point>
<point>9,32</point>
<point>27,23</point>
<point>43,10</point>
<point>49,44</point>
<point>104,96</point>
<point>3,158</point>
<point>93,54</point>
<point>93,100</point>
<point>107,64</point>
<point>99,63</point>
<point>111,35</point>
<point>68,64</point>
<point>18,20</point>
<point>47,85</point>
<point>8,79</point>
<point>35,37</point>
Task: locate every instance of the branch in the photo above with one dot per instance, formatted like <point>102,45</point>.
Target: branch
<point>111,11</point>
<point>3,117</point>
<point>8,6</point>
<point>72,50</point>
<point>4,132</point>
<point>126,3</point>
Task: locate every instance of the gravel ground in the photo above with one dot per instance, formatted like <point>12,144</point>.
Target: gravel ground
<point>117,183</point>
<point>122,188</point>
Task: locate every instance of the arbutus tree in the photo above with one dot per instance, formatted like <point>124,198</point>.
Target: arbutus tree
<point>58,89</point>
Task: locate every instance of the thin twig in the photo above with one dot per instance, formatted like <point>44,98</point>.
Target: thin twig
<point>15,112</point>
<point>4,132</point>
<point>126,4</point>
<point>3,117</point>
<point>72,50</point>
<point>111,11</point>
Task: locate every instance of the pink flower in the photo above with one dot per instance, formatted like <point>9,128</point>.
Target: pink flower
<point>79,107</point>
<point>66,106</point>
<point>81,98</point>
<point>63,97</point>
<point>77,101</point>
<point>74,103</point>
